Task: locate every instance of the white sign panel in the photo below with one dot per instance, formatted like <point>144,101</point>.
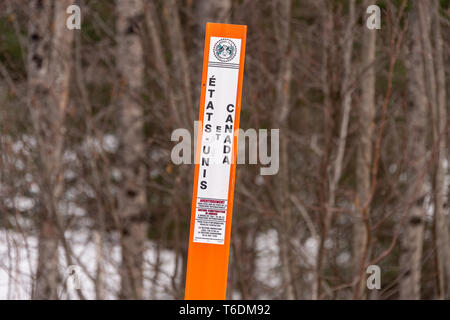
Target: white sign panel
<point>217,140</point>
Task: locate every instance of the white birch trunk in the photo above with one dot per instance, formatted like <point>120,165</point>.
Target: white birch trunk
<point>412,237</point>
<point>132,198</point>
<point>49,64</point>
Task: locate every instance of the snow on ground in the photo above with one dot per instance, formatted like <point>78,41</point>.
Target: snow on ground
<point>268,258</point>
<point>18,256</point>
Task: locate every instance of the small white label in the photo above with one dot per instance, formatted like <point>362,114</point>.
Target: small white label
<point>216,153</point>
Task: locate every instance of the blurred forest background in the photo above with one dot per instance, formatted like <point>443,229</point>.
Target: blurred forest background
<point>86,177</point>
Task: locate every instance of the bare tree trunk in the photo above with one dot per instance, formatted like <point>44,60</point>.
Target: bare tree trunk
<point>38,73</point>
<point>180,66</point>
<point>160,61</point>
<point>439,133</point>
<point>412,237</point>
<point>364,159</point>
<point>281,112</point>
<point>336,170</point>
<point>435,80</point>
<point>328,22</point>
<point>49,66</point>
<point>132,199</point>
<point>217,11</point>
<point>99,279</point>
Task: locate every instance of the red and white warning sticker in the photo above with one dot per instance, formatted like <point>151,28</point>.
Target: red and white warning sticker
<point>210,220</point>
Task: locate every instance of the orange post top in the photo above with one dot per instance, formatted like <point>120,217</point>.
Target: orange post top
<point>207,265</point>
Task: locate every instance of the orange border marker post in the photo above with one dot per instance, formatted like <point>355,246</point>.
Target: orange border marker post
<point>212,200</point>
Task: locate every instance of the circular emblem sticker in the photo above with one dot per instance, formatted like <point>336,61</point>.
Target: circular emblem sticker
<point>225,50</point>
